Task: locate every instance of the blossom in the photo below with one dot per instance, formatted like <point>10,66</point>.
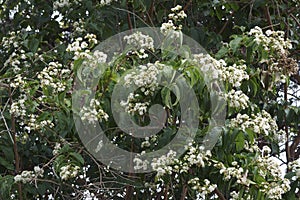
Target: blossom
<point>68,171</point>
<point>203,189</point>
<point>145,78</point>
<point>173,25</point>
<point>261,123</point>
<point>53,76</point>
<point>271,40</point>
<point>93,112</point>
<point>139,42</point>
<point>237,99</point>
<point>234,74</point>
<point>28,176</point>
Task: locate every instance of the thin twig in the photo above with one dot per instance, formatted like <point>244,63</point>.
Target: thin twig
<point>268,16</point>
<point>219,193</point>
<point>296,20</point>
<point>15,145</point>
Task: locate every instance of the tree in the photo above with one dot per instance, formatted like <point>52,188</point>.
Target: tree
<point>52,51</point>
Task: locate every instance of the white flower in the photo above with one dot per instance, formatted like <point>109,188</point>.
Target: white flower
<point>234,74</point>
<point>68,171</point>
<point>93,112</point>
<point>139,43</point>
<point>237,99</point>
<point>261,123</point>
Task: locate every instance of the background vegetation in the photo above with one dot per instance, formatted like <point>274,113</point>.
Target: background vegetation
<point>41,155</point>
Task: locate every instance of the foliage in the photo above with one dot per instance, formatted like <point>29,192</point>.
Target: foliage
<point>44,45</point>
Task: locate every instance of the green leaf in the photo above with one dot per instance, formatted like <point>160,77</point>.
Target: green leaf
<point>6,164</point>
<point>33,45</point>
<point>176,91</point>
<point>254,87</point>
<point>222,52</point>
<point>166,96</point>
<point>240,141</point>
<point>6,183</point>
<point>78,157</point>
<point>235,43</point>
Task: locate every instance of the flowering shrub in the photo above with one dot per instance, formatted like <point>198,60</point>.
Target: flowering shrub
<point>46,45</point>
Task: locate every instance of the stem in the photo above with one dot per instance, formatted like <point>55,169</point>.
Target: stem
<point>128,18</point>
<point>166,192</point>
<point>129,188</point>
<point>15,146</point>
<point>268,16</point>
<point>184,191</point>
<point>187,5</point>
<point>219,193</point>
<point>286,128</point>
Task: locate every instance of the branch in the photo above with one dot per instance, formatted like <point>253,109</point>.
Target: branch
<point>184,191</point>
<point>219,193</point>
<point>296,20</point>
<point>15,146</point>
<point>128,18</point>
<point>187,5</point>
<point>294,146</point>
<point>268,16</point>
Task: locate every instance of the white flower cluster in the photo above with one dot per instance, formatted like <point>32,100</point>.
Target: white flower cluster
<point>68,171</point>
<point>10,40</point>
<point>237,99</point>
<point>18,81</point>
<point>236,196</point>
<point>28,176</point>
<point>132,105</point>
<point>209,66</point>
<point>87,195</point>
<point>269,169</point>
<point>146,143</point>
<point>261,123</point>
<point>32,124</point>
<point>93,112</point>
<point>140,43</point>
<point>275,190</point>
<point>145,78</point>
<point>163,164</point>
<point>195,156</point>
<point>106,2</point>
<point>271,40</point>
<point>178,14</point>
<point>139,163</point>
<point>279,186</point>
<point>18,108</point>
<point>80,46</point>
<point>234,74</point>
<point>56,149</point>
<point>278,62</point>
<point>174,18</point>
<point>294,166</point>
<point>203,190</point>
<point>266,167</point>
<point>92,62</point>
<point>17,58</point>
<point>63,3</point>
<point>235,171</point>
<point>60,4</point>
<point>168,164</point>
<point>54,76</point>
